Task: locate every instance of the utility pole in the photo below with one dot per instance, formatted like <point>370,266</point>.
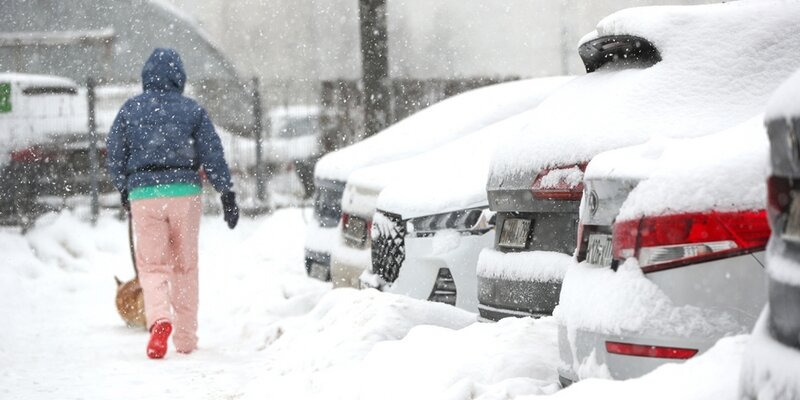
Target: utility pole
<point>374,64</point>
<point>94,167</point>
<point>257,133</point>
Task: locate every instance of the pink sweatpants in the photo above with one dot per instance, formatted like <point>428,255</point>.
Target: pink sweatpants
<point>166,232</point>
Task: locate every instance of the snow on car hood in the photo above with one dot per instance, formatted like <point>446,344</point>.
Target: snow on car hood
<point>450,178</point>
<point>447,178</point>
<point>438,124</point>
<point>719,65</point>
<point>726,171</point>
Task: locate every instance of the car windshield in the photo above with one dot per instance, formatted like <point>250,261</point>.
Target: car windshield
<point>295,127</point>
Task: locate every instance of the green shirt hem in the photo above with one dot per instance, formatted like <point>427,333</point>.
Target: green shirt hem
<point>165,190</point>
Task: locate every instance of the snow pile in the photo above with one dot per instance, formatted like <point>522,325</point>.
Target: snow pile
<point>346,324</point>
<point>726,171</point>
<point>712,375</point>
<point>482,361</point>
<point>702,85</point>
<point>452,177</point>
<point>542,266</point>
<point>399,359</point>
<point>770,368</point>
<point>601,300</point>
<point>438,124</point>
<point>268,331</point>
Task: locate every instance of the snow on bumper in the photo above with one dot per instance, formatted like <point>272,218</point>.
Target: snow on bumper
<point>519,284</point>
<point>347,265</point>
<point>523,266</point>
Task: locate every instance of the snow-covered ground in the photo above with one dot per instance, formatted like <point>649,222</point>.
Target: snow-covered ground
<point>268,331</point>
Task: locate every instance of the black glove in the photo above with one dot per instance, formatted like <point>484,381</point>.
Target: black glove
<point>230,209</point>
<point>123,199</point>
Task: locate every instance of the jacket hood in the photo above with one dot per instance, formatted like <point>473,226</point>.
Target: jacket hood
<point>164,71</point>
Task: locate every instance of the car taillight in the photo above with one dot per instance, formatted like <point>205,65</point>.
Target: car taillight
<point>345,219</point>
<point>641,350</point>
<point>562,183</point>
<point>674,240</point>
<point>31,154</point>
<point>778,194</point>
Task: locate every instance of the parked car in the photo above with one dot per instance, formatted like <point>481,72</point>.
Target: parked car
<point>353,253</point>
<point>432,222</point>
<point>671,246</point>
<point>292,147</point>
<point>664,78</point>
<point>427,129</point>
<point>771,367</point>
<point>43,143</point>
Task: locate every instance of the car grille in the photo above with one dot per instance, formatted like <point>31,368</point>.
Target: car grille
<point>388,245</point>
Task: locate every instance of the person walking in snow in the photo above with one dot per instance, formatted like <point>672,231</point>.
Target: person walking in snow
<point>156,146</point>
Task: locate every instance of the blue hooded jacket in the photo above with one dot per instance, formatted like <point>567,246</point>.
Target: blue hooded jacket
<point>161,136</point>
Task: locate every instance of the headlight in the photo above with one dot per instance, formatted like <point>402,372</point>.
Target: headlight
<point>473,221</point>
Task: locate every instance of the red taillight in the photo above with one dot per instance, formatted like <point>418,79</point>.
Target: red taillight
<point>673,240</point>
<point>778,194</point>
<point>640,350</point>
<point>562,183</point>
<point>31,154</point>
<point>345,219</point>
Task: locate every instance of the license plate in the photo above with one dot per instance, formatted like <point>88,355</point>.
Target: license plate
<point>515,233</point>
<point>791,232</point>
<point>599,252</point>
<point>356,229</point>
<point>318,271</point>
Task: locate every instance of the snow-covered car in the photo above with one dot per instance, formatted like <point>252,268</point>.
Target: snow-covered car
<point>771,367</point>
<point>353,255</point>
<point>671,253</point>
<point>669,72</point>
<point>431,223</point>
<point>292,147</point>
<point>427,129</point>
<point>43,142</point>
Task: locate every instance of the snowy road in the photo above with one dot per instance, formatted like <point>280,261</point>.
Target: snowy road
<point>268,331</point>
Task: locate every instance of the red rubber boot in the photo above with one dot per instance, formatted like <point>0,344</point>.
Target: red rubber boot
<point>159,334</point>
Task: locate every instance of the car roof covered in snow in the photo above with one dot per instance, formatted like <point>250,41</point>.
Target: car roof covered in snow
<point>719,65</point>
<point>438,124</point>
<point>33,80</point>
<point>724,171</point>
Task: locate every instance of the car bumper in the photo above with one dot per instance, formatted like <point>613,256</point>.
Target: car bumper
<point>318,246</point>
<point>318,265</point>
<point>733,286</point>
<point>427,255</point>
<point>347,265</point>
<point>524,284</point>
<point>584,354</point>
